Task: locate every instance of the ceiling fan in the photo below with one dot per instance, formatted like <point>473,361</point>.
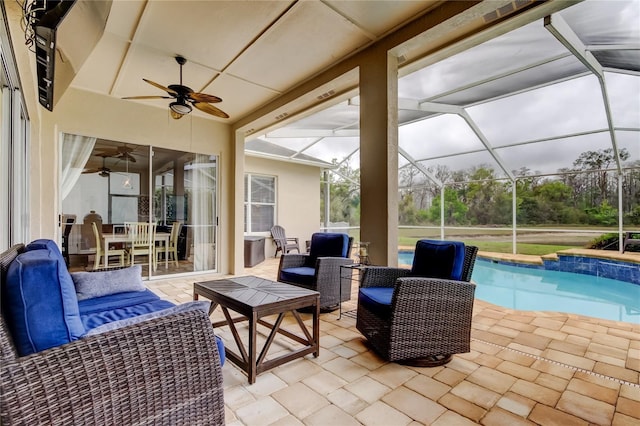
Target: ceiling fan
<point>103,171</point>
<point>122,152</point>
<point>185,97</point>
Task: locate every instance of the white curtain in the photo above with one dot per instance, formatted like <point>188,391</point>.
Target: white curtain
<point>76,151</point>
<point>202,211</point>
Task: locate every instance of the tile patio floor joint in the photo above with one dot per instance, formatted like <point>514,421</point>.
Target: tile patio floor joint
<point>561,364</point>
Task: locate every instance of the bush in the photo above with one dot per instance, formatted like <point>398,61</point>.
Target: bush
<point>633,217</point>
<point>604,242</point>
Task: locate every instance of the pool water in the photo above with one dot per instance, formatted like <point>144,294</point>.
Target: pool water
<point>542,290</point>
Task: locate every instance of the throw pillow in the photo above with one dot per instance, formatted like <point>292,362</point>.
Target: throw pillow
<point>97,284</point>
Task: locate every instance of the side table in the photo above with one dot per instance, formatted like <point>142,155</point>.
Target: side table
<point>350,272</point>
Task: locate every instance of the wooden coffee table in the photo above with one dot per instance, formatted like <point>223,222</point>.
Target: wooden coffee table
<point>254,298</point>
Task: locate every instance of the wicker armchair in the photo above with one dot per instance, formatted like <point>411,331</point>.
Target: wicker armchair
<point>422,321</point>
<point>162,371</point>
<point>319,269</point>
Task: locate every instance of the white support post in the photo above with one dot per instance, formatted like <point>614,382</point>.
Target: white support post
<point>514,206</point>
<point>442,212</point>
<point>620,215</point>
<point>327,200</point>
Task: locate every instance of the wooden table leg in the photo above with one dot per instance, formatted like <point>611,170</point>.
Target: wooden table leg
<point>253,368</point>
<point>316,328</point>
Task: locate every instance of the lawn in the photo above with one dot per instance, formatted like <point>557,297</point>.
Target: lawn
<point>539,242</point>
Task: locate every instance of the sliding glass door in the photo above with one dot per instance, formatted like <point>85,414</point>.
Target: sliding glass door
<point>185,196</point>
<point>116,184</point>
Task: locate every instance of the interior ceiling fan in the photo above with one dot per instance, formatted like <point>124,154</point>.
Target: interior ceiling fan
<point>185,97</point>
<point>103,171</point>
<point>122,152</point>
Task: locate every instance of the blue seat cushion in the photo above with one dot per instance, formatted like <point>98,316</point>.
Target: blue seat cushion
<point>92,311</point>
<point>376,299</point>
<point>300,275</point>
<point>438,259</point>
<point>40,301</point>
<point>327,244</point>
<point>114,307</point>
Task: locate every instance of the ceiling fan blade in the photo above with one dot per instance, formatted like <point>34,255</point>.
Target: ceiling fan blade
<point>127,156</point>
<point>148,97</point>
<point>161,87</point>
<point>91,171</point>
<point>203,97</point>
<point>210,109</point>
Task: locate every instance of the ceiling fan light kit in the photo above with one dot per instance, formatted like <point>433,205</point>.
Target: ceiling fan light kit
<point>185,97</point>
<point>180,107</point>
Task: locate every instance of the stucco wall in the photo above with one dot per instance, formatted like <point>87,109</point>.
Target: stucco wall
<point>89,114</point>
<point>298,197</point>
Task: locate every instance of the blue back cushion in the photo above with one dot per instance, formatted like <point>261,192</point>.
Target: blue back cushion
<point>438,259</point>
<point>40,301</point>
<point>325,244</point>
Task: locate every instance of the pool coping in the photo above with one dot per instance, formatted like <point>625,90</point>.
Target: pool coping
<point>603,263</point>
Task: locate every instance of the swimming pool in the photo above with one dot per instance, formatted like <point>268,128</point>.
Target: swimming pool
<point>543,290</point>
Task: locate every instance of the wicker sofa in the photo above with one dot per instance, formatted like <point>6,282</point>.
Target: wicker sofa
<point>164,370</point>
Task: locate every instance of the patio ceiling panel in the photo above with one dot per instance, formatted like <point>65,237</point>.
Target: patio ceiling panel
<point>291,43</point>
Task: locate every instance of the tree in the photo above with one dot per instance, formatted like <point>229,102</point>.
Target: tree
<point>344,194</point>
<point>455,211</point>
<point>599,161</point>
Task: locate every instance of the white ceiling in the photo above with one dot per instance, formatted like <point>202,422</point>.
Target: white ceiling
<point>246,52</point>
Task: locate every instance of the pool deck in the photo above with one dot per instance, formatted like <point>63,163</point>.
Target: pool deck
<point>630,257</point>
<point>524,368</point>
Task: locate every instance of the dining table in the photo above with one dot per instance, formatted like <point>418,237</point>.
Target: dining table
<point>112,238</point>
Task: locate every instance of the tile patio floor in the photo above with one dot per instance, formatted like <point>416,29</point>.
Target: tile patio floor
<point>523,368</point>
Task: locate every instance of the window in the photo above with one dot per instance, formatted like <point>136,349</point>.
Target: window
<point>259,203</point>
<point>14,150</point>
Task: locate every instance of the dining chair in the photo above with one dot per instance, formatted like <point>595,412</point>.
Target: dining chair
<point>100,248</point>
<point>142,241</point>
<point>172,245</point>
<point>67,223</point>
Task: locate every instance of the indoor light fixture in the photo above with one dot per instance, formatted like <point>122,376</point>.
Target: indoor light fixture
<point>175,115</point>
<point>126,182</point>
